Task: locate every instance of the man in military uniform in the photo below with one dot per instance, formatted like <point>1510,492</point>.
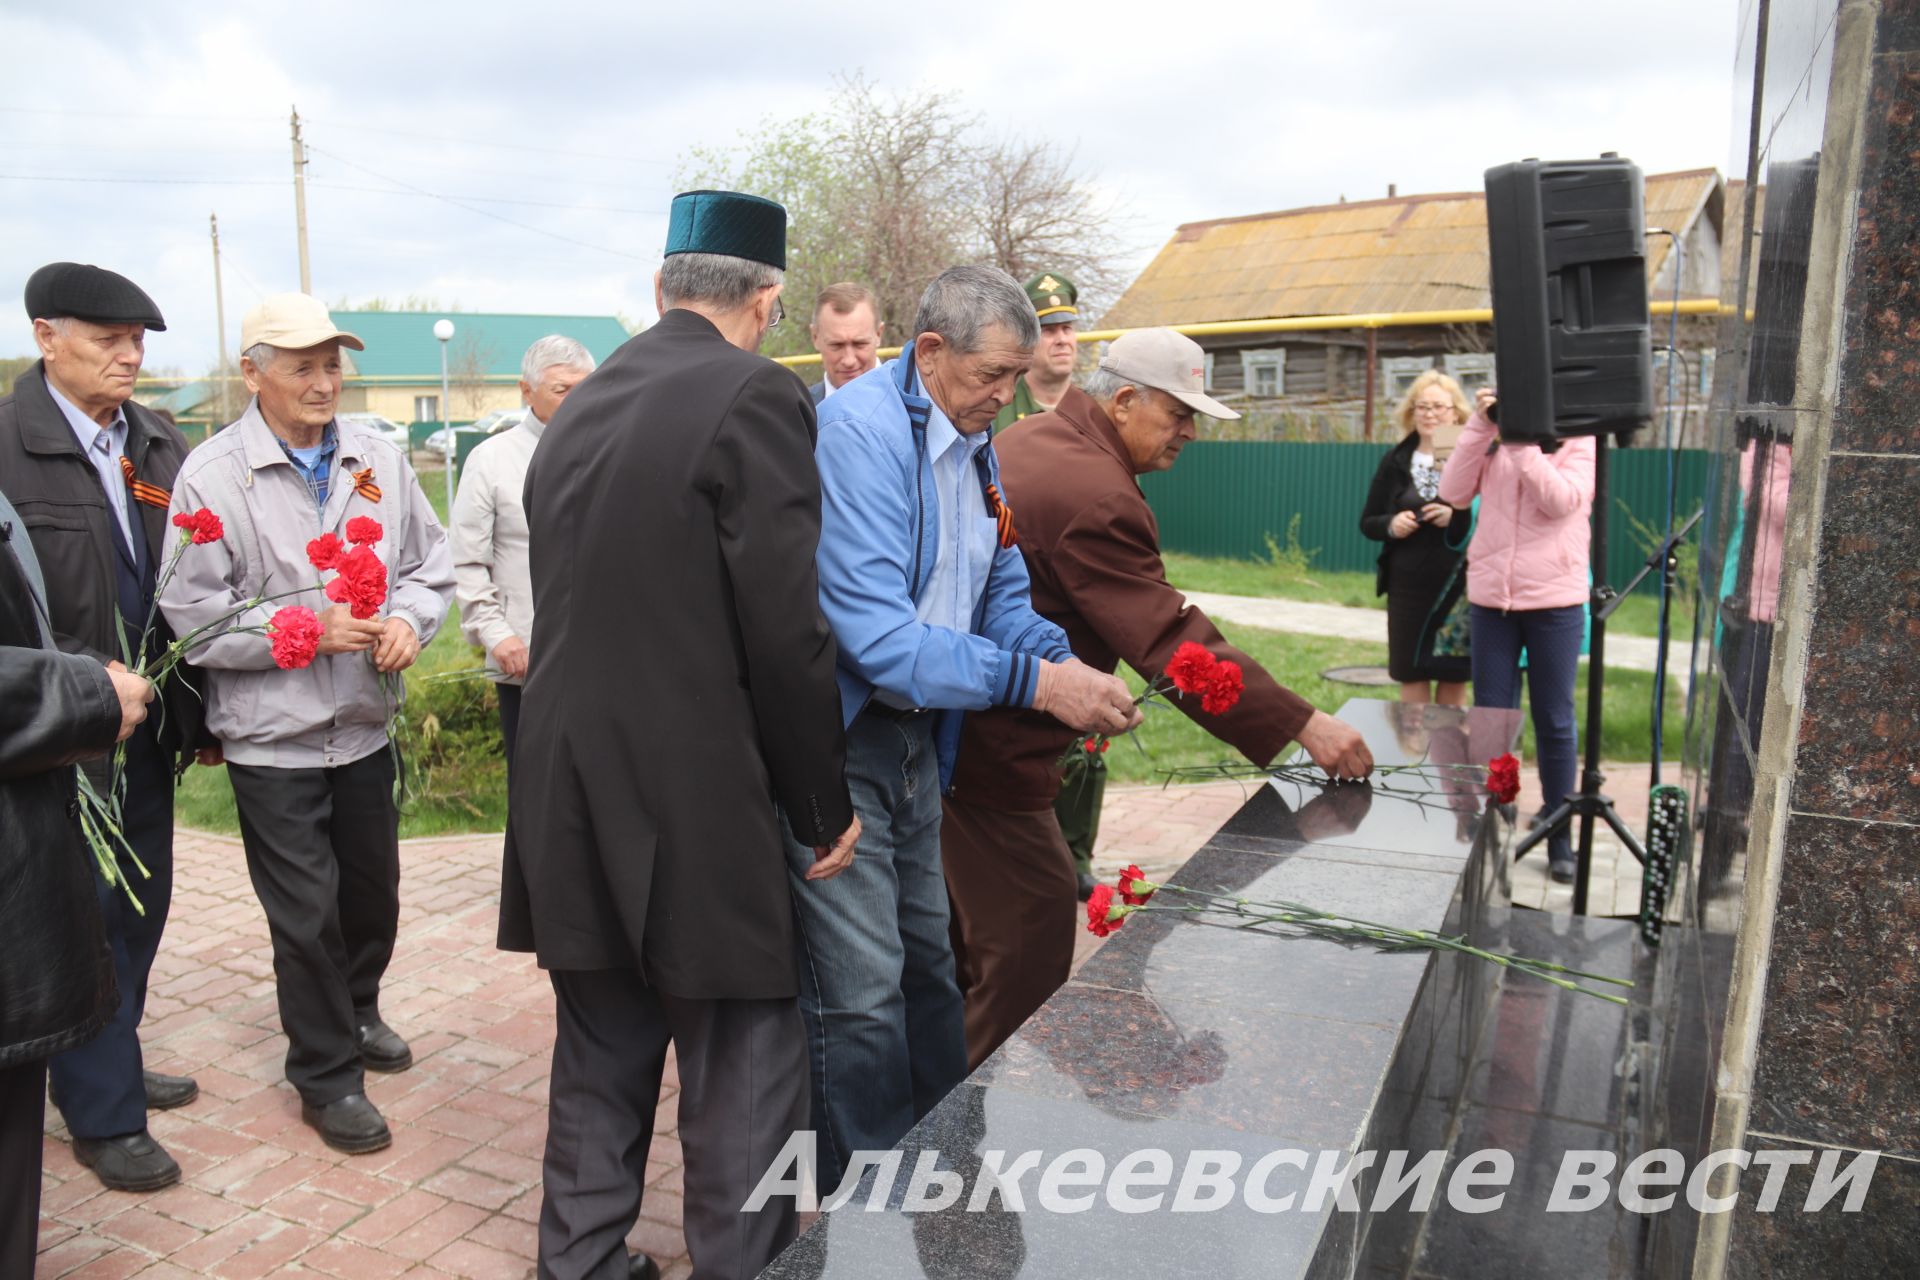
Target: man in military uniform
<point>1047,379</point>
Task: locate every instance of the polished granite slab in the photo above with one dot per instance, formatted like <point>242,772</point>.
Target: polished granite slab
<point>1179,1035</point>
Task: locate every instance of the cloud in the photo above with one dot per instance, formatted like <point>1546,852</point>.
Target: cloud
<point>549,148</point>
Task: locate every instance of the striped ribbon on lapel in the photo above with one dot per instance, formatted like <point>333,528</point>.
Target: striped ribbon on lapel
<point>151,494</point>
<point>997,507</point>
<point>364,486</point>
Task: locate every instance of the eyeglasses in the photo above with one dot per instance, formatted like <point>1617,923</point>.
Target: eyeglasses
<point>779,314</point>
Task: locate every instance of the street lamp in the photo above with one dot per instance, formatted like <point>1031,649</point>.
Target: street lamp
<point>443,330</point>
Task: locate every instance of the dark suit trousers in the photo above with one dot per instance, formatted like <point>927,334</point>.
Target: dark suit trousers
<point>98,1086</point>
<point>1011,882</point>
<point>743,1093</point>
<point>23,1102</point>
<point>509,695</point>
<point>323,850</point>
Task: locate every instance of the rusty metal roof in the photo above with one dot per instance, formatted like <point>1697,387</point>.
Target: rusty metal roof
<point>1407,253</point>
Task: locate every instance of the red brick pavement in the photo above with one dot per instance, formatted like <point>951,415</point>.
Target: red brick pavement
<point>458,1192</point>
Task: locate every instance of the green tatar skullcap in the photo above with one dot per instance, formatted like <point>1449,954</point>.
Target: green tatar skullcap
<point>730,223</point>
<point>1054,298</point>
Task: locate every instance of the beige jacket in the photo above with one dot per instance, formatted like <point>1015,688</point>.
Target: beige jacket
<point>335,711</point>
<point>493,582</point>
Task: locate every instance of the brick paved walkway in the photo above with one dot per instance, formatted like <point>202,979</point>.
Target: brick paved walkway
<point>457,1194</point>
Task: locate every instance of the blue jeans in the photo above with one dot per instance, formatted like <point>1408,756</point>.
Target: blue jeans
<point>1551,638</point>
<point>886,1031</point>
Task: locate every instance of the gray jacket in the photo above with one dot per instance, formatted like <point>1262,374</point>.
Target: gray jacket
<point>335,711</point>
<point>490,558</point>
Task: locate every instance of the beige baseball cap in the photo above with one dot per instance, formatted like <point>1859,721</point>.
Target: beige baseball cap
<point>1166,361</point>
<point>293,322</point>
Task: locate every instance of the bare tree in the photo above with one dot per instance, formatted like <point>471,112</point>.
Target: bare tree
<point>891,189</point>
<point>467,366</point>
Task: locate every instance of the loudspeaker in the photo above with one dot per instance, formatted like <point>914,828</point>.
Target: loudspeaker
<point>1567,254</point>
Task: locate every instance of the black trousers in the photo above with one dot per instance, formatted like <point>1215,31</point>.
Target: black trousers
<point>509,716</point>
<point>98,1086</point>
<point>323,850</point>
<point>743,1093</point>
<point>23,1110</point>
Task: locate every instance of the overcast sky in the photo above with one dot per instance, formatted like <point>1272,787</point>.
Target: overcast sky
<point>570,123</point>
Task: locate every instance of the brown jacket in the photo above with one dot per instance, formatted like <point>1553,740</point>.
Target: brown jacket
<point>1092,549</point>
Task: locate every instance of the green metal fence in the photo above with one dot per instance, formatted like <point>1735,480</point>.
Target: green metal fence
<point>1225,498</point>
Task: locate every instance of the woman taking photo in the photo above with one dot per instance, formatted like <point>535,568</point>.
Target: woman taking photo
<point>1424,539</point>
<point>1527,583</point>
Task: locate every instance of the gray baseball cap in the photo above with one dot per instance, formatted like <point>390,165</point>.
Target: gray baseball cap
<point>1166,361</point>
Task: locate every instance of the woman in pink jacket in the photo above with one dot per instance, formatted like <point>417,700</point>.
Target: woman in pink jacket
<point>1527,584</point>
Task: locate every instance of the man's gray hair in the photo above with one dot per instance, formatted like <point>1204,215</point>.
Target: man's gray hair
<point>1104,384</point>
<point>714,279</point>
<point>554,350</point>
<point>261,354</point>
<point>962,303</point>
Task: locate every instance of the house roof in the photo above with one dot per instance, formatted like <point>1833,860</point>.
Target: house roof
<point>1407,253</point>
<point>401,346</point>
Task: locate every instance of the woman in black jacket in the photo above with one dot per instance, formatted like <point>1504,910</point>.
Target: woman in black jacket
<point>1424,539</point>
<point>56,975</point>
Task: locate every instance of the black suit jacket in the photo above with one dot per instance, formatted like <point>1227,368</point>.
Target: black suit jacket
<point>58,495</point>
<point>682,674</point>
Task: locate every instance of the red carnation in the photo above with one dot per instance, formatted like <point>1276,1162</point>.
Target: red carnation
<point>1134,887</point>
<point>361,583</point>
<point>295,635</point>
<point>1104,744</point>
<point>203,525</point>
<point>364,531</point>
<point>1092,745</point>
<point>1097,908</point>
<point>324,552</point>
<point>1192,668</point>
<point>1503,778</point>
<point>1223,690</point>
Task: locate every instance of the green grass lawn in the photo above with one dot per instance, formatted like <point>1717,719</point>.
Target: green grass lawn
<point>1638,616</point>
<point>1169,740</point>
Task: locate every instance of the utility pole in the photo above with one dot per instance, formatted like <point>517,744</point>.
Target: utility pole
<point>220,321</point>
<point>300,202</point>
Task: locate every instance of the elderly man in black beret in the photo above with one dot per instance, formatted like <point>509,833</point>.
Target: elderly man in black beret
<point>89,472</point>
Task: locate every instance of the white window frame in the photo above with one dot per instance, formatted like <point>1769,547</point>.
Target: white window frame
<point>1397,374</point>
<point>1251,362</point>
<point>429,403</point>
<point>1471,371</point>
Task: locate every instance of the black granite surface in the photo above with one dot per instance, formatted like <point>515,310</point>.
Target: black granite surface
<point>1860,705</point>
<point>1179,1035</point>
<point>1880,362</point>
<point>1882,1239</point>
<point>1839,1052</point>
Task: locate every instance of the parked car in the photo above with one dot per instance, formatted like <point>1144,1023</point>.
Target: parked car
<point>387,427</point>
<point>441,441</point>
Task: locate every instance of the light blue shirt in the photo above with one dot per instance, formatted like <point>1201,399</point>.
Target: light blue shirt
<point>104,447</point>
<point>963,553</point>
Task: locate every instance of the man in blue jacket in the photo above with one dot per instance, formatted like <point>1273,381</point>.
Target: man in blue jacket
<point>926,592</point>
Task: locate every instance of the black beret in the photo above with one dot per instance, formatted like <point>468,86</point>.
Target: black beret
<point>87,292</point>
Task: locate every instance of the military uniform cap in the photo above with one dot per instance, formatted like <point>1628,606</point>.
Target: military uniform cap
<point>1054,298</point>
<point>729,223</point>
<point>87,292</point>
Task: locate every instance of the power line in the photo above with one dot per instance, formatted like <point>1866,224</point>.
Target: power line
<point>485,213</point>
<point>164,182</point>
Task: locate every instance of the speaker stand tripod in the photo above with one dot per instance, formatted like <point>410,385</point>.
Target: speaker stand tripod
<point>1588,803</point>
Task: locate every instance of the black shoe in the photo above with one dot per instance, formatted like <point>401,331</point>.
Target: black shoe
<point>1562,872</point>
<point>348,1124</point>
<point>164,1093</point>
<point>1085,879</point>
<point>130,1162</point>
<point>381,1049</point>
<point>641,1267</point>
